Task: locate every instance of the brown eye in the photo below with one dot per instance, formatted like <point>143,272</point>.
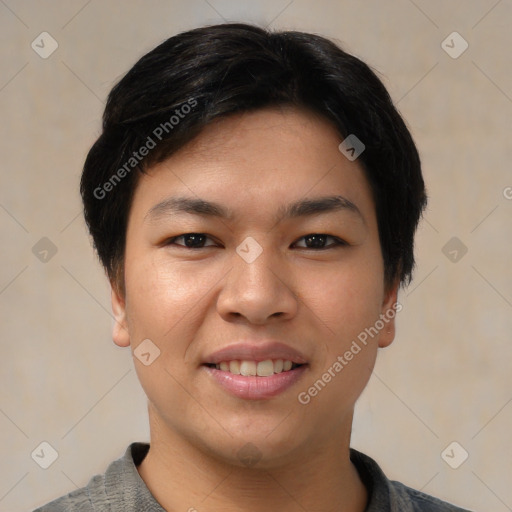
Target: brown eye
<point>192,240</point>
<point>312,241</point>
<point>317,241</point>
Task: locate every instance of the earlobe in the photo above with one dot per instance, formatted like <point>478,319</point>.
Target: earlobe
<point>120,334</point>
<point>390,308</point>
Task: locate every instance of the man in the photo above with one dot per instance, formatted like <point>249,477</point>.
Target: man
<point>253,199</point>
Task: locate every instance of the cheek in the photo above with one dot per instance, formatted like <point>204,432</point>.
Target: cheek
<point>160,291</point>
<point>164,306</point>
<point>346,298</point>
<point>348,303</point>
<point>167,300</point>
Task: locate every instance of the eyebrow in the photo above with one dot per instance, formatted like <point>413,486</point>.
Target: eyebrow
<point>301,208</point>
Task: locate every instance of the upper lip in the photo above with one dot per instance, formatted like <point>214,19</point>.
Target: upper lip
<point>261,351</point>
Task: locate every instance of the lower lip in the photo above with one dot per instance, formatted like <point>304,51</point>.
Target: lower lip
<point>256,388</point>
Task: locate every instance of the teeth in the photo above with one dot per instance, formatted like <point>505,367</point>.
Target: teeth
<point>252,368</point>
<point>247,368</point>
<point>265,368</point>
<point>234,367</point>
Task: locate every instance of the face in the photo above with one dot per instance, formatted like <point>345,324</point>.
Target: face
<point>261,283</point>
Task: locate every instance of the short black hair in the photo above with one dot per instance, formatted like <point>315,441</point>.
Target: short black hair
<point>192,78</point>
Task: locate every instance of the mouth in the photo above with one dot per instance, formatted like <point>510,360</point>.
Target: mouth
<point>255,370</point>
<point>248,368</point>
<point>255,380</point>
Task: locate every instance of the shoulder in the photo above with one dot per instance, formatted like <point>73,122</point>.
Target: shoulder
<point>419,501</point>
<point>120,485</point>
<point>393,496</point>
<point>79,500</point>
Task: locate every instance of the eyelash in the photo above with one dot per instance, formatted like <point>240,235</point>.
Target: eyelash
<point>338,241</point>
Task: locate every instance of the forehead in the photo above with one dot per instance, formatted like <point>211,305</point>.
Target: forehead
<point>290,122</point>
<point>256,161</point>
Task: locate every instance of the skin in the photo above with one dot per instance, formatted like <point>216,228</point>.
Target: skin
<point>192,302</point>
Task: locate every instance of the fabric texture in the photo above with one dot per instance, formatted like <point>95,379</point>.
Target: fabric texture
<point>121,489</point>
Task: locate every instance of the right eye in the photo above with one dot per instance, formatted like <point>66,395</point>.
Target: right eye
<point>192,240</point>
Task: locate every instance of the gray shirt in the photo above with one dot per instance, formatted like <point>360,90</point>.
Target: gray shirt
<point>121,489</point>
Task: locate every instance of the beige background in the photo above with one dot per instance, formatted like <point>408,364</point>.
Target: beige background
<point>447,375</point>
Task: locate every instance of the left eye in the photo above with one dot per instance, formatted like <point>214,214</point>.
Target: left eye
<point>317,240</point>
<point>313,241</point>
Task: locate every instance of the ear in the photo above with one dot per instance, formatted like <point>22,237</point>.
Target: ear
<point>390,308</point>
<point>120,333</point>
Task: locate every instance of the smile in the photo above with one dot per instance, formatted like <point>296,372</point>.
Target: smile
<point>253,385</point>
<point>255,368</point>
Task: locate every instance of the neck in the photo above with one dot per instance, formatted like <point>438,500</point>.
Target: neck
<point>321,477</point>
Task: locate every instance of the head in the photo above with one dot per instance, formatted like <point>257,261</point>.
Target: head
<point>252,121</point>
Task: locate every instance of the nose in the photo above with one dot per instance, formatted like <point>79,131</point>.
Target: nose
<point>258,291</point>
